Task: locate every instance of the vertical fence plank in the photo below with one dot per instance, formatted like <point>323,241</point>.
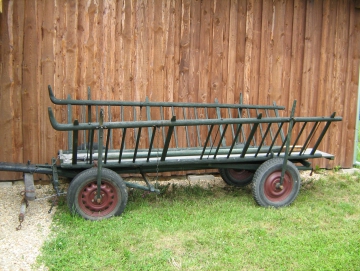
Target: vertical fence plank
<point>340,65</point>
<point>266,52</point>
<point>127,56</point>
<point>7,86</point>
<point>313,27</point>
<point>82,35</point>
<point>231,65</point>
<point>205,45</point>
<point>240,49</point>
<point>158,49</point>
<point>184,52</point>
<point>297,55</point>
<point>297,49</point>
<point>205,51</point>
<point>351,115</point>
<point>110,79</point>
<point>288,34</point>
<point>252,51</point>
<point>277,65</point>
<point>326,61</point>
<point>311,65</point>
<point>255,63</point>
<point>170,54</point>
<point>219,36</point>
<point>30,85</point>
<point>156,87</point>
<point>58,86</point>
<point>18,51</point>
<point>145,50</point>
<point>103,48</point>
<point>47,135</point>
<point>194,50</point>
<point>184,61</point>
<point>71,47</point>
<point>116,87</point>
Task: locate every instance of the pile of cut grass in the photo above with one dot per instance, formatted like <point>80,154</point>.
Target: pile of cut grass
<point>192,228</point>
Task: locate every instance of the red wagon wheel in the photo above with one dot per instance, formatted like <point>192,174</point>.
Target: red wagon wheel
<point>82,192</point>
<point>266,188</point>
<point>236,177</point>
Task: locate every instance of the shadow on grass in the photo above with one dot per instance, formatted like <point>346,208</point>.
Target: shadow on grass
<point>173,192</point>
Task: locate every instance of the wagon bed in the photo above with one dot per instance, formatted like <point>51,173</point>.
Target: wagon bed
<point>212,135</point>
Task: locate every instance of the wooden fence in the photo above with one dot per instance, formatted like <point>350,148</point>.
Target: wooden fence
<point>172,50</point>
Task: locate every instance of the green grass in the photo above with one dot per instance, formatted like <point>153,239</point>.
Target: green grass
<point>191,228</point>
<point>358,147</point>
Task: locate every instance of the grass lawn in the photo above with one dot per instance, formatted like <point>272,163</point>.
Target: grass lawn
<point>358,147</point>
<point>192,228</point>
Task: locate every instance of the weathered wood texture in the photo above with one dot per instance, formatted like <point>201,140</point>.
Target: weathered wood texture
<point>170,50</point>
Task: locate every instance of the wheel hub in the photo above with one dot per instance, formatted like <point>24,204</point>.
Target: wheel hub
<point>279,186</point>
<point>273,190</point>
<point>98,206</point>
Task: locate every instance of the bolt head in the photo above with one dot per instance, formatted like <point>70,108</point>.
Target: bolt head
<point>279,186</point>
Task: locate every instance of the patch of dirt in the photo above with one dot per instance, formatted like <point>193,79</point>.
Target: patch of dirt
<point>19,248</point>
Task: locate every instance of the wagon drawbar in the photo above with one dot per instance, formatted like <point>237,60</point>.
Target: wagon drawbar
<point>246,143</point>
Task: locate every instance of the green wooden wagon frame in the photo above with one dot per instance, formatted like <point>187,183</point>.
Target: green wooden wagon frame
<point>247,144</point>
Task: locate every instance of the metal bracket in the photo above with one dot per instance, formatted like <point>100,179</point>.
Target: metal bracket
<point>55,176</point>
<point>100,151</point>
<point>288,139</point>
<point>150,187</point>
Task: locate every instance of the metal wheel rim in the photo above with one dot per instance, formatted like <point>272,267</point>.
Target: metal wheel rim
<point>88,204</point>
<point>239,175</point>
<point>273,193</point>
